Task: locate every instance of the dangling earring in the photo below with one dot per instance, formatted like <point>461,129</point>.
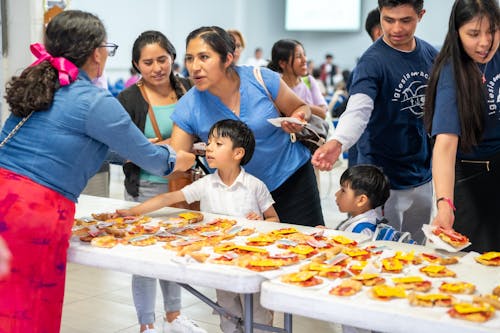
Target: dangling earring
<point>99,70</point>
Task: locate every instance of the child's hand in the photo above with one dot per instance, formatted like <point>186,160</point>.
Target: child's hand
<point>321,227</point>
<point>253,216</point>
<point>123,212</point>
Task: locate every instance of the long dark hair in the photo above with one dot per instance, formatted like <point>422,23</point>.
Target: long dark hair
<point>470,95</point>
<point>283,50</point>
<point>156,37</point>
<point>73,35</point>
<point>218,39</point>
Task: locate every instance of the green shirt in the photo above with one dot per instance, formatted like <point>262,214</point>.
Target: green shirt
<point>165,124</point>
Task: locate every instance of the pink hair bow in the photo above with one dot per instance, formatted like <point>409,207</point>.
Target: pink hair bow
<point>67,70</point>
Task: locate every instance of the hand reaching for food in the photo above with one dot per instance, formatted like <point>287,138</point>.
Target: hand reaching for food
<point>253,216</point>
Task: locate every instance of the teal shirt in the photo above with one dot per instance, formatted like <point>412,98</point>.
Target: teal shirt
<point>165,124</point>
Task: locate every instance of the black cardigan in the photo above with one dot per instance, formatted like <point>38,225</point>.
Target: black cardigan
<point>133,102</point>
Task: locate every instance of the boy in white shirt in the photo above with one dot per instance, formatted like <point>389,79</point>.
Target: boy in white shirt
<point>228,191</point>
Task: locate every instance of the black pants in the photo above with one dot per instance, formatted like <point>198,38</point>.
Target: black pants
<point>297,199</point>
<point>477,198</point>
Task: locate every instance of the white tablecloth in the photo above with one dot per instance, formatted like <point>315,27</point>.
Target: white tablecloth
<point>155,261</point>
<point>395,316</point>
<point>359,310</point>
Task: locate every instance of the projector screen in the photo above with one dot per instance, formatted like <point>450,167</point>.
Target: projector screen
<point>323,15</point>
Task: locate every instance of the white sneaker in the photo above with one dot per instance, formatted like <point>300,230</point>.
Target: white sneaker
<point>182,324</point>
<point>149,330</point>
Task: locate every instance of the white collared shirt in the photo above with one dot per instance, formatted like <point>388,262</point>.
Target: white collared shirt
<point>247,194</point>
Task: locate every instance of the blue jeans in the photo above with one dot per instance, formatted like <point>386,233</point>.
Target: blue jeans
<point>144,288</point>
<point>144,294</point>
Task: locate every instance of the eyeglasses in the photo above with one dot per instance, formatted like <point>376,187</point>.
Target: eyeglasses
<point>238,46</point>
<point>110,47</point>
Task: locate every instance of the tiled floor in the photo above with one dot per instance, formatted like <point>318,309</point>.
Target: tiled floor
<point>100,301</point>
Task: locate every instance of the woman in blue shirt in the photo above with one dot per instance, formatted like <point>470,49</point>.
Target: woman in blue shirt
<point>56,138</point>
<point>226,91</point>
<point>463,115</point>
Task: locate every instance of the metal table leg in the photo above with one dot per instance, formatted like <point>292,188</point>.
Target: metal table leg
<point>222,311</point>
<point>287,322</point>
<point>248,322</point>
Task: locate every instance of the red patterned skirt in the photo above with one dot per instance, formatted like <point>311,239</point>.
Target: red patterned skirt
<point>35,221</point>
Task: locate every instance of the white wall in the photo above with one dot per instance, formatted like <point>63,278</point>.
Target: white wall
<point>126,19</point>
<point>260,21</point>
<point>24,26</point>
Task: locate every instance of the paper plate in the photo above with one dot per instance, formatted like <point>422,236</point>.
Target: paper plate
<point>438,243</point>
<point>277,121</point>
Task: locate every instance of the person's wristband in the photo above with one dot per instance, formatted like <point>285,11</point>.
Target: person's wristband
<point>448,201</point>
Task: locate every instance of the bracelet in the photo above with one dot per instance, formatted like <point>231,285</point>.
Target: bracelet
<point>448,201</point>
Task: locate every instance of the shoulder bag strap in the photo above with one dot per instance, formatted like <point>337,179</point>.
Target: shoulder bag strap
<point>15,129</point>
<point>258,77</point>
<point>151,114</point>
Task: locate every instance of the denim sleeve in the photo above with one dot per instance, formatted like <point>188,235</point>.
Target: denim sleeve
<point>109,123</point>
<point>114,158</point>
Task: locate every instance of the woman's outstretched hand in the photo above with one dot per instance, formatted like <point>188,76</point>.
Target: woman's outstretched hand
<point>184,161</point>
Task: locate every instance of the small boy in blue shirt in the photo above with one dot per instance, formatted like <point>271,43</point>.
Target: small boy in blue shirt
<point>362,189</point>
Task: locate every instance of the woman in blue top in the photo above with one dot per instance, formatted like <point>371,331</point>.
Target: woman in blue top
<point>56,138</point>
<point>226,91</point>
<point>463,115</point>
